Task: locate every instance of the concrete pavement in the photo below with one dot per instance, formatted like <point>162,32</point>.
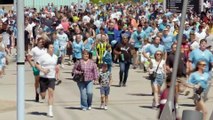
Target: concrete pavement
<point>125,103</point>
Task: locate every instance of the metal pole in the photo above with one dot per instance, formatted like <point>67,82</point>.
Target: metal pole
<point>170,100</point>
<point>164,5</point>
<point>20,61</point>
<point>201,5</point>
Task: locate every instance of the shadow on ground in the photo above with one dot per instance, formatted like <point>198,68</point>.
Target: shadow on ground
<point>139,94</point>
<point>73,108</point>
<point>38,113</point>
<point>187,105</point>
<point>148,107</point>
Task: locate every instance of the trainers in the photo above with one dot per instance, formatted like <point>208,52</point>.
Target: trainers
<point>89,108</point>
<point>102,106</point>
<point>84,109</point>
<point>58,82</point>
<point>50,113</point>
<point>105,107</point>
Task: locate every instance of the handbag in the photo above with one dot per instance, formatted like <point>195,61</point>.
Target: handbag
<point>154,74</point>
<point>80,76</point>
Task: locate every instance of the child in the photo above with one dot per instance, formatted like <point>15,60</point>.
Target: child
<point>107,58</point>
<point>105,82</point>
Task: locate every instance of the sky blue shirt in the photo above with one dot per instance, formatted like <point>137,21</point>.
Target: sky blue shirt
<point>197,78</point>
<point>152,49</point>
<point>56,47</point>
<point>77,49</point>
<point>148,30</point>
<point>198,55</point>
<point>167,42</point>
<point>88,45</point>
<point>137,35</point>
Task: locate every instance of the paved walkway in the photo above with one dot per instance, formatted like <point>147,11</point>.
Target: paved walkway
<point>126,103</point>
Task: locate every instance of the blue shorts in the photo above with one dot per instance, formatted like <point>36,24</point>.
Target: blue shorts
<point>105,90</point>
<point>158,80</point>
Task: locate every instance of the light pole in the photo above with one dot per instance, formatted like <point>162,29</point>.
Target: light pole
<point>20,61</point>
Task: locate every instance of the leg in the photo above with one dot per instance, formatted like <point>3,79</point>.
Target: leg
<point>51,87</point>
<point>36,88</point>
<point>156,99</point>
<point>122,68</point>
<point>200,106</point>
<point>89,90</point>
<point>126,72</point>
<point>43,87</point>
<point>82,88</point>
<point>102,97</point>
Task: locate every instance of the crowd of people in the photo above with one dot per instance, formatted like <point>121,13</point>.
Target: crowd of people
<point>96,36</point>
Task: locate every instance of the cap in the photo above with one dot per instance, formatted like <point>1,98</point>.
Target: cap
<point>125,35</point>
<point>59,27</point>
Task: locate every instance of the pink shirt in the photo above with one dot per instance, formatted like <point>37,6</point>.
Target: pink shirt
<point>65,25</point>
<point>89,69</point>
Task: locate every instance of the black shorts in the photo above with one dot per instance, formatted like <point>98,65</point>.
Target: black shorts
<point>46,83</point>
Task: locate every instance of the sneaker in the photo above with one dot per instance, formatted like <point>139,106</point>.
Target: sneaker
<point>58,82</point>
<point>105,107</point>
<point>84,109</point>
<point>42,100</point>
<point>50,113</point>
<point>102,106</point>
<point>89,108</point>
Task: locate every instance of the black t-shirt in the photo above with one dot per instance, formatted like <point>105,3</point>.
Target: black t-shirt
<point>126,51</point>
<point>181,72</point>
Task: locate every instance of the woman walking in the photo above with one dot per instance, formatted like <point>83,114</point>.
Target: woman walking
<point>157,75</point>
<point>89,69</point>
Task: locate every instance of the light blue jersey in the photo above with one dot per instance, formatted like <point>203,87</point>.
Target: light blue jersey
<point>56,47</point>
<point>167,42</point>
<point>88,45</point>
<point>153,48</point>
<point>197,78</point>
<point>199,55</point>
<point>148,30</point>
<point>136,36</point>
<point>77,49</point>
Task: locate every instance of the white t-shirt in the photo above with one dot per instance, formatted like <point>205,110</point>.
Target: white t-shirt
<point>200,35</point>
<point>63,39</point>
<point>155,65</point>
<point>48,62</point>
<point>194,45</point>
<point>37,52</point>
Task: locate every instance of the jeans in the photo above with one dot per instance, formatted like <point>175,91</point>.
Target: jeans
<point>124,70</point>
<point>86,92</point>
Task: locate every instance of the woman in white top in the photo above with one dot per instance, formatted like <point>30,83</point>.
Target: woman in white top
<point>157,65</point>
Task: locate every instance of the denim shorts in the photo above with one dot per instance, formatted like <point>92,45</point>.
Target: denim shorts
<point>159,79</point>
<point>105,90</point>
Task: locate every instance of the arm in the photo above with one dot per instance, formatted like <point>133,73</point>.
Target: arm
<point>38,66</point>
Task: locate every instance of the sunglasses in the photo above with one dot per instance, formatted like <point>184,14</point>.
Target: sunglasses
<point>202,64</point>
<point>158,54</point>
